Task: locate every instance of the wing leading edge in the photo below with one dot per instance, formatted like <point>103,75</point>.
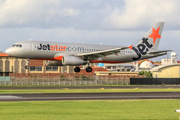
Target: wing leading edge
<point>101,53</point>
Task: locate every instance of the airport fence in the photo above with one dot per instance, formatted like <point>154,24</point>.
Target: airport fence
<point>66,79</point>
<point>154,81</point>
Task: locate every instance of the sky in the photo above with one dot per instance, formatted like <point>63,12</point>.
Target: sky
<point>110,22</point>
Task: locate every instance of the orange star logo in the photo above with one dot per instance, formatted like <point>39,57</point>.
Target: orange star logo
<point>155,34</point>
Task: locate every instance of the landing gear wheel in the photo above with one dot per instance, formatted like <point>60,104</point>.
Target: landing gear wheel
<point>26,67</point>
<point>88,69</point>
<point>77,69</point>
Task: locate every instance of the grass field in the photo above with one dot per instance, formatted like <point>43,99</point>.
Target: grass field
<point>2,86</point>
<point>9,86</point>
<point>65,90</point>
<point>90,110</point>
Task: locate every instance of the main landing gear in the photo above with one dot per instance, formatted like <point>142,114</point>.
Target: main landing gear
<point>88,69</point>
<point>77,69</point>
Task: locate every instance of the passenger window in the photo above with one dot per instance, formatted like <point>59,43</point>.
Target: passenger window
<point>17,45</point>
<point>14,45</point>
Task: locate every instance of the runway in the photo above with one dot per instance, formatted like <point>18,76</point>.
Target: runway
<point>89,96</point>
<point>93,87</point>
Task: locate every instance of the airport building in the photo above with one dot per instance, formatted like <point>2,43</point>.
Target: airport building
<point>166,71</point>
<point>120,67</point>
<point>170,68</point>
<point>17,65</point>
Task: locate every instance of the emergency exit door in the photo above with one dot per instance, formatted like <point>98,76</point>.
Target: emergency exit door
<point>30,46</point>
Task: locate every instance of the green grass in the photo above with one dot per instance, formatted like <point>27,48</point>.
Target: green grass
<point>90,110</point>
<point>9,86</point>
<point>65,90</point>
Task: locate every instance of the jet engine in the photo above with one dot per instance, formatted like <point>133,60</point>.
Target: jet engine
<point>72,60</point>
<point>54,63</point>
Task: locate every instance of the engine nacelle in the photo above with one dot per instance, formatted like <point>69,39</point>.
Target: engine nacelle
<point>72,60</point>
<point>53,63</point>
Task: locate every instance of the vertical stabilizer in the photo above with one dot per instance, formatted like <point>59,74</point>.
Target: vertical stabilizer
<point>149,41</point>
<point>153,36</point>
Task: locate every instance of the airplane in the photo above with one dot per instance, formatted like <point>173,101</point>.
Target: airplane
<point>75,54</point>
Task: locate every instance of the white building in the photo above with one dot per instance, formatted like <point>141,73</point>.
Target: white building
<point>173,59</point>
<point>120,67</point>
<point>144,66</point>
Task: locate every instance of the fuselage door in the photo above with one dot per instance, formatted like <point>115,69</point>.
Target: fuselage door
<point>30,46</point>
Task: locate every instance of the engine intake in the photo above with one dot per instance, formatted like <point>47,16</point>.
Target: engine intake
<point>72,60</point>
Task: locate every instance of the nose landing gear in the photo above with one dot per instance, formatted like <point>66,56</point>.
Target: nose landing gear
<point>27,66</point>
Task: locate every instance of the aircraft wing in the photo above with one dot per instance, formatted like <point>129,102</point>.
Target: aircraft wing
<point>158,51</point>
<point>101,53</point>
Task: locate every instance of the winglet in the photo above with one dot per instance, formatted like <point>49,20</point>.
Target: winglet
<point>131,47</point>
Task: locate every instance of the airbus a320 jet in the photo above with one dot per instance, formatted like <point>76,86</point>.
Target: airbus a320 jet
<point>75,54</point>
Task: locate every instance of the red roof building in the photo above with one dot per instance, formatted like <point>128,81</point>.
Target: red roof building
<point>93,70</point>
<point>36,63</point>
<point>3,55</point>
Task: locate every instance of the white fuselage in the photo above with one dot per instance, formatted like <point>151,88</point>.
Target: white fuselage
<point>48,50</point>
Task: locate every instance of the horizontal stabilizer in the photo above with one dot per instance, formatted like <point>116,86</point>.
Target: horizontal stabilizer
<point>159,51</point>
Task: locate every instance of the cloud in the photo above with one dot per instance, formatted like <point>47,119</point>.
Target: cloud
<point>112,22</point>
<point>86,14</point>
<point>111,37</point>
<point>140,13</point>
<point>33,13</point>
<point>55,13</point>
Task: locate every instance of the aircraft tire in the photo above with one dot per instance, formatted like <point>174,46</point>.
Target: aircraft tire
<point>26,67</point>
<point>77,69</point>
<point>88,69</point>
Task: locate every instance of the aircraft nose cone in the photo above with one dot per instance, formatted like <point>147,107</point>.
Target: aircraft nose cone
<point>8,51</point>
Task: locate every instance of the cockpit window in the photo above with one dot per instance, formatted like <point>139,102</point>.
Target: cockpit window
<point>17,45</point>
